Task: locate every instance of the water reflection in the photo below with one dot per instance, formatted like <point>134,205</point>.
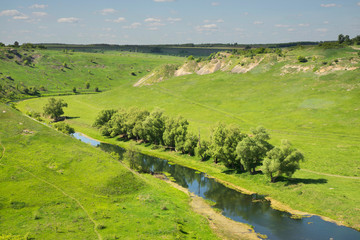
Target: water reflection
<point>251,209</point>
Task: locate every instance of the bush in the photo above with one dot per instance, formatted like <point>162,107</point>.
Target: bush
<point>64,127</point>
<point>191,57</point>
<point>302,59</point>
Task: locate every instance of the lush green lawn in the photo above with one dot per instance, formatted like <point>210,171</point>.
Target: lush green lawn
<point>319,114</point>
<point>55,187</point>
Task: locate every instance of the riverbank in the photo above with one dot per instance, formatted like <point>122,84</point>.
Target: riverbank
<point>287,200</point>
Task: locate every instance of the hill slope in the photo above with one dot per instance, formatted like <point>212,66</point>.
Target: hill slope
<point>55,187</point>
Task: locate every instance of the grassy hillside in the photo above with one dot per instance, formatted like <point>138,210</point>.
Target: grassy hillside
<point>315,105</point>
<point>58,72</point>
<point>55,187</point>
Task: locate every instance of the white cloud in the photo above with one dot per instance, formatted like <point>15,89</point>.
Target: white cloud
<point>303,25</point>
<point>107,29</point>
<point>258,22</point>
<point>291,30</point>
<point>133,25</point>
<point>156,24</point>
<point>39,14</point>
<point>10,13</point>
<point>326,22</point>
<point>42,6</point>
<point>215,4</point>
<point>328,5</point>
<point>153,29</point>
<point>220,20</point>
<point>21,17</point>
<point>207,27</point>
<point>68,20</point>
<point>210,26</point>
<point>118,20</point>
<point>358,3</point>
<point>323,30</point>
<point>152,20</point>
<point>282,25</point>
<point>172,20</point>
<point>107,11</point>
<point>164,0</point>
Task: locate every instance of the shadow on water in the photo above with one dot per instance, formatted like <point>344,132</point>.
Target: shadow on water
<point>252,209</point>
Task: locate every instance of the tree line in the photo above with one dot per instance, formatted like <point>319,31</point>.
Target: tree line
<point>226,145</point>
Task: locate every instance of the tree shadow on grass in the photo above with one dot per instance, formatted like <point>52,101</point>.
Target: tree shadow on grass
<point>295,181</point>
<point>67,117</point>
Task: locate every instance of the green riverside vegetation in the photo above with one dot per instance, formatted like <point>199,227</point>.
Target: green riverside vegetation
<point>313,104</point>
<point>55,187</point>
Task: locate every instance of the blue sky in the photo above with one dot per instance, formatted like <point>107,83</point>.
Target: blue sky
<point>177,21</point>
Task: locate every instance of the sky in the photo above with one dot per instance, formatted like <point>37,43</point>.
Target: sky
<point>176,21</point>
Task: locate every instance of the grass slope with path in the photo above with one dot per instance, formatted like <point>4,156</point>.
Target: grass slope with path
<point>56,187</point>
<point>318,111</point>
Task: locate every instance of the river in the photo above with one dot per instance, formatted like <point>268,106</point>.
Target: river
<point>251,209</point>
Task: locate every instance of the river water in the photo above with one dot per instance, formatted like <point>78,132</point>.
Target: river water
<point>251,209</point>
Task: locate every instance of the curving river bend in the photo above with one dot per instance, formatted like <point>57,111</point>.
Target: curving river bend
<point>251,209</point>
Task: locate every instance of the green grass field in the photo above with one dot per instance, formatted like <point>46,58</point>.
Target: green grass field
<point>318,113</point>
<point>55,187</point>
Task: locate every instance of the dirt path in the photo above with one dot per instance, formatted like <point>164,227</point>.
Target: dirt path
<point>222,226</point>
<point>328,174</point>
<point>57,188</point>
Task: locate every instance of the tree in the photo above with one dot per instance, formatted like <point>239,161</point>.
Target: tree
<point>252,149</point>
<point>233,137</point>
<point>16,44</point>
<point>87,85</point>
<point>74,89</point>
<point>217,140</point>
<point>190,144</point>
<point>282,160</point>
<point>341,38</point>
<point>54,108</point>
<point>154,127</point>
<point>202,150</point>
<point>104,117</point>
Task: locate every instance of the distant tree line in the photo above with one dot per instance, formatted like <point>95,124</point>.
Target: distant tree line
<point>226,145</point>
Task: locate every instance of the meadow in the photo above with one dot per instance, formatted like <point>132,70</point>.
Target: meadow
<point>56,187</point>
<point>317,111</point>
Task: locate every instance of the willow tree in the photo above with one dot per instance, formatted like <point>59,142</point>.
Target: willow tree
<point>282,160</point>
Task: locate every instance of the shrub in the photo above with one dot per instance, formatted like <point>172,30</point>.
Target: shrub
<point>302,59</point>
<point>64,127</point>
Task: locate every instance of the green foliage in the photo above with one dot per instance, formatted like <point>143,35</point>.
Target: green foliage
<point>74,89</point>
<point>190,144</point>
<point>282,160</point>
<point>302,59</point>
<point>64,127</point>
<point>191,58</point>
<point>69,175</point>
<point>104,117</point>
<point>154,127</point>
<point>202,150</point>
<point>252,149</point>
<point>217,141</point>
<point>87,85</point>
<point>54,108</point>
